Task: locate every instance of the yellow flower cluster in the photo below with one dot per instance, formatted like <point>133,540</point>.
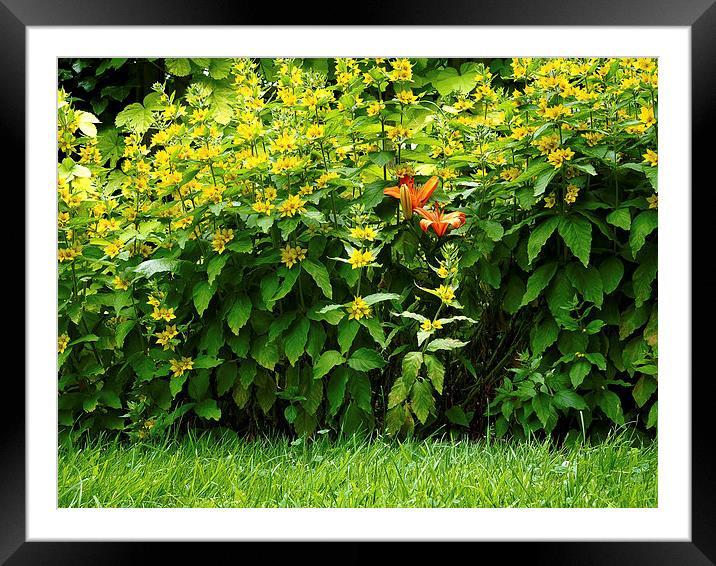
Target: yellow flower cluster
<point>178,367</point>
<point>559,156</point>
<point>68,254</point>
<point>358,309</point>
<point>445,293</point>
<point>292,206</point>
<point>651,157</point>
<point>361,258</point>
<point>364,233</point>
<point>291,256</point>
<point>428,325</point>
<point>62,341</point>
<point>222,237</point>
<point>164,338</point>
<point>571,196</point>
<point>161,313</point>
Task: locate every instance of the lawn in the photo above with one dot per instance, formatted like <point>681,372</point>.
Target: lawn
<point>224,470</point>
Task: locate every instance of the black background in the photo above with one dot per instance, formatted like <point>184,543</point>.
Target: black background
<point>699,15</point>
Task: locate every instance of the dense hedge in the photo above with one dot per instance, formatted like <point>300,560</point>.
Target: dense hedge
<point>396,245</point>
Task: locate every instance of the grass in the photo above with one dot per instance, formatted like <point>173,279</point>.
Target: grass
<point>227,471</point>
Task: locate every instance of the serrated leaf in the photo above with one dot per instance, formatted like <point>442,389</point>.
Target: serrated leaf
<point>366,359</point>
<point>611,271</point>
<point>202,294</point>
<point>543,335</point>
<point>644,275</point>
<point>135,117</point>
<point>609,402</point>
<point>543,180</point>
<point>436,372</point>
<point>295,340</point>
<point>643,225</point>
<point>284,288</point>
<point>326,362</point>
<point>542,406</point>
<point>421,400</point>
<point>280,324</point>
<point>587,281</point>
<point>412,362</point>
<point>456,415</point>
<point>178,67</point>
<point>515,290</point>
<point>264,352</point>
<point>336,390</point>
<point>576,231</point>
<point>445,344</point>
<point>319,273</point>
<point>375,329</point>
<point>239,313</point>
<point>621,218</point>
<point>121,331</point>
<point>644,389</point>
<point>567,398</point>
<point>538,281</point>
<point>152,266</point>
<point>316,340</point>
<point>653,417</point>
<point>632,319</point>
<point>346,333</point>
<point>225,377</point>
<point>208,409</point>
<point>378,297</point>
<point>578,371</point>
<point>214,267</point>
<point>360,391</point>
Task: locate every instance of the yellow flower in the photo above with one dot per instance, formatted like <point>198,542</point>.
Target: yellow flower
<point>572,192</point>
<point>406,97</point>
<point>402,70</point>
<point>113,249</point>
<point>375,107</point>
<point>62,341</point>
<point>291,256</point>
<point>446,293</point>
<point>152,300</point>
<point>653,201</point>
<point>555,112</point>
<point>426,325</point>
<point>164,338</point>
<point>559,156</point>
<point>651,157</point>
<point>360,259</point>
<point>120,283</point>
<point>546,144</point>
<point>292,205</point>
<point>511,174</point>
<point>593,138</point>
<point>166,314</point>
<point>315,131</point>
<point>178,367</point>
<point>358,309</point>
<point>221,238</point>
<point>550,201</point>
<point>646,115</point>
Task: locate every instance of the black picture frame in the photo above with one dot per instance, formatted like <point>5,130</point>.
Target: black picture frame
<point>698,15</point>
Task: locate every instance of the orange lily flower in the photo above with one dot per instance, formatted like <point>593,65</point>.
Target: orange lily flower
<point>439,220</point>
<point>419,197</point>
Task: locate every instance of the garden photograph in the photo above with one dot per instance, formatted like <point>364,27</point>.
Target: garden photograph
<point>357,282</point>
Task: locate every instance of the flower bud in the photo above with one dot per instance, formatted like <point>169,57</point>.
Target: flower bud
<point>406,202</point>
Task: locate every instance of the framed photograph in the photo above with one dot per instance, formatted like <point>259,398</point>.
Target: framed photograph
<point>434,72</point>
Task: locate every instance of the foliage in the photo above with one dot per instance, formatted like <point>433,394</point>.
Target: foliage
<point>274,246</point>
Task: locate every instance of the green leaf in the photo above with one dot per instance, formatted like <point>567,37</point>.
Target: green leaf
<point>178,67</point>
<point>456,415</point>
<point>110,399</point>
<point>445,344</point>
<point>176,384</point>
<point>375,329</point>
<point>326,362</point>
<point>206,362</point>
<point>214,267</point>
<point>514,292</point>
<point>239,313</point>
<point>644,389</point>
<point>412,362</point>
<point>347,330</point>
<point>320,275</point>
<point>290,412</point>
<point>295,340</point>
<point>265,391</point>
<point>378,297</point>
<point>597,359</point>
<point>121,331</point>
<point>359,388</point>
<point>285,287</point>
<point>247,372</point>
<point>641,227</point>
<point>611,271</point>
<point>621,218</point>
<point>653,415</point>
<point>336,390</point>
<point>587,281</point>
<point>543,335</point>
<point>152,266</point>
<point>494,230</point>
<point>579,370</point>
<point>537,282</point>
<point>316,340</point>
<point>280,324</point>
<point>208,409</point>
<point>436,372</point>
<point>644,275</point>
<point>567,398</point>
<point>202,294</point>
<point>225,377</point>
<point>264,352</point>
<point>198,384</point>
<point>632,319</point>
<point>421,399</point>
<point>543,180</point>
<point>542,406</point>
<point>539,236</point>
<point>135,117</point>
<point>381,158</point>
<point>366,359</point>
<point>609,402</point>
<point>576,232</point>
